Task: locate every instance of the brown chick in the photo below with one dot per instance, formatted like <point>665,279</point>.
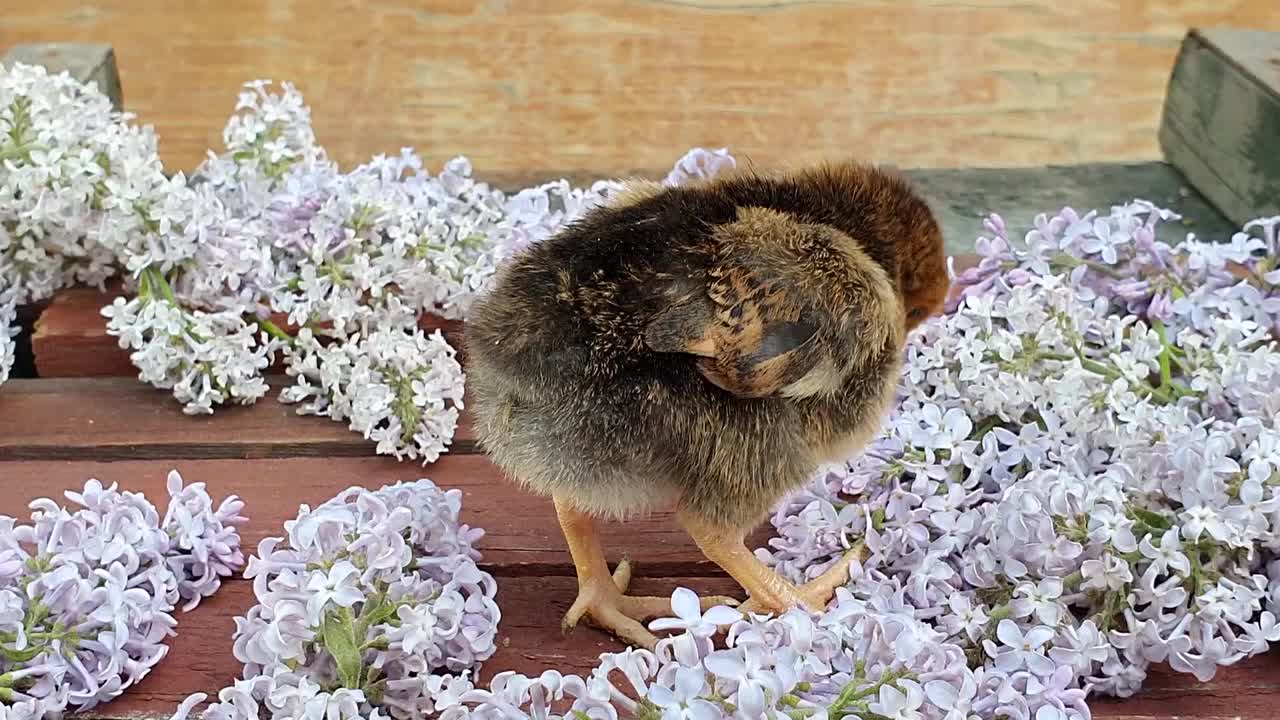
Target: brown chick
<point>706,346</point>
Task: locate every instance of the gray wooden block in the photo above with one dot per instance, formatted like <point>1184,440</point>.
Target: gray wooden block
<point>1221,122</point>
<point>86,62</point>
<point>963,197</point>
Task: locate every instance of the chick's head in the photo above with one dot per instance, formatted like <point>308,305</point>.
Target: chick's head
<point>922,273</point>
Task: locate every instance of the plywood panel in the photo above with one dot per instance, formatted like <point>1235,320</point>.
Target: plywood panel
<point>608,84</point>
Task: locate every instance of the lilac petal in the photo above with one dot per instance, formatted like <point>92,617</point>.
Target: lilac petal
<point>1008,633</point>
<point>685,604</point>
<point>1037,636</point>
<point>726,664</point>
<point>721,615</point>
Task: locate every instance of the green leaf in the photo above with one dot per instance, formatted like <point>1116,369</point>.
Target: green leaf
<point>1153,519</point>
<point>338,632</point>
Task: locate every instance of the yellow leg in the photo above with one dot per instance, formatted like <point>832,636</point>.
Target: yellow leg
<point>601,597</point>
<point>770,592</point>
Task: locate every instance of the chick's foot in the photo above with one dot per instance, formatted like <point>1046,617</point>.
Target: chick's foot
<point>813,595</point>
<point>601,596</point>
<point>602,601</point>
<point>770,592</point>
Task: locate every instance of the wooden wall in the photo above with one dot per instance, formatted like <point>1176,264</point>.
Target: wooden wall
<point>607,85</point>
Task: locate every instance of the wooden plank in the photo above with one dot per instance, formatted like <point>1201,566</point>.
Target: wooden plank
<point>1221,121</point>
<point>529,642</point>
<point>963,198</point>
<point>523,536</point>
<point>121,418</point>
<point>70,337</point>
<point>608,84</point>
<point>86,62</point>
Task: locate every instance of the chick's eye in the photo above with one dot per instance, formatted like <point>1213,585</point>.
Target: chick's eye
<point>916,313</point>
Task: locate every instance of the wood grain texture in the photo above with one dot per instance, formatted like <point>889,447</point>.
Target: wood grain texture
<point>519,85</point>
<point>522,534</point>
<point>1221,121</point>
<point>121,418</point>
<point>70,337</point>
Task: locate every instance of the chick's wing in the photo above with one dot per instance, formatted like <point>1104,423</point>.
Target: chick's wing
<point>752,331</point>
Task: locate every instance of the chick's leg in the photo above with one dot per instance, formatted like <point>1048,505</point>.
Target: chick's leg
<point>769,591</point>
<point>601,596</point>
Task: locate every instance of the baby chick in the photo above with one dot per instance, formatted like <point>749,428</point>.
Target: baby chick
<point>705,346</point>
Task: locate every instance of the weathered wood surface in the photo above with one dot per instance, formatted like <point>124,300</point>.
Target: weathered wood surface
<point>118,419</point>
<point>522,545</point>
<point>70,337</point>
<point>522,536</point>
<point>614,84</point>
<point>1221,120</point>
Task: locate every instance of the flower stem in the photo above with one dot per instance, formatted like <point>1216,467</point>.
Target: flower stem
<point>274,330</point>
<point>851,695</point>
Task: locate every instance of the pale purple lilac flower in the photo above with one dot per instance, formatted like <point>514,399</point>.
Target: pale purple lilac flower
<point>8,331</point>
<point>88,590</point>
<point>1035,505</point>
<point>397,555</point>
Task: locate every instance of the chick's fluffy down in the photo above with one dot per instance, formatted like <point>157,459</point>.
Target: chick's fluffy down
<point>705,346</point>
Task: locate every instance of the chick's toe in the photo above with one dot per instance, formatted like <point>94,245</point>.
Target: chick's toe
<point>813,595</point>
<point>770,592</point>
<point>601,595</point>
<point>603,603</point>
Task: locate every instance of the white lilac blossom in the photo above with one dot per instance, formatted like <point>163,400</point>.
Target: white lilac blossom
<point>79,183</point>
<point>395,385</point>
<point>372,598</point>
<point>1080,476</point>
<point>8,331</point>
<point>87,592</point>
<point>270,254</point>
<point>204,358</point>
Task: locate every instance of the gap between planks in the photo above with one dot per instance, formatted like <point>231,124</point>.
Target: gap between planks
<point>522,535</point>
<point>119,418</point>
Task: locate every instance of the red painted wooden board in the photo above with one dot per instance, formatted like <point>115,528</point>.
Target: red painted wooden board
<point>122,418</point>
<point>522,546</point>
<point>522,536</point>
<point>56,433</point>
<point>71,340</point>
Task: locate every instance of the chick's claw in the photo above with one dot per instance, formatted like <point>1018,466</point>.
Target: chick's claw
<point>604,604</point>
<point>813,595</point>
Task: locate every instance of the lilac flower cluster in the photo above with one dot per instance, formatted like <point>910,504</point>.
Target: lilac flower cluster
<point>87,594</point>
<point>268,228</point>
<point>79,184</point>
<point>371,600</point>
<point>1080,477</point>
<point>8,331</point>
